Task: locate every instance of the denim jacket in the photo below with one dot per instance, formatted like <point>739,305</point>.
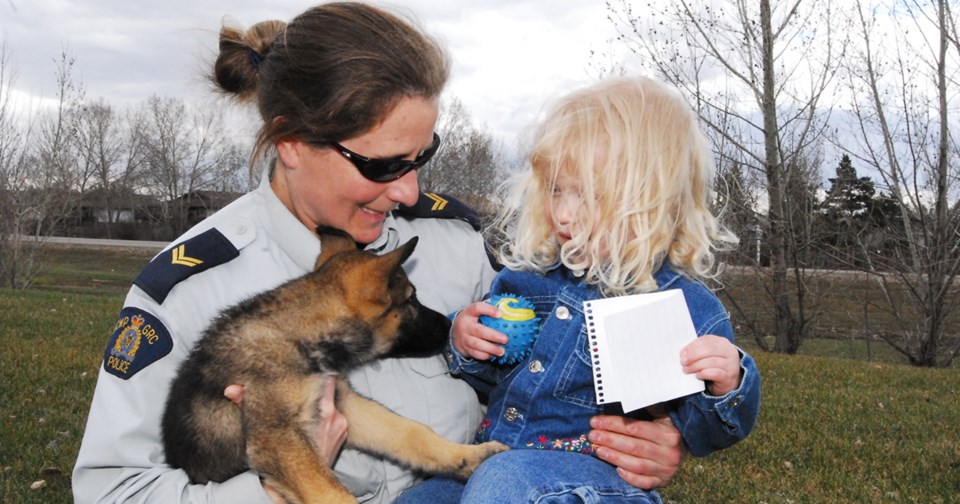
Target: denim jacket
<point>546,401</point>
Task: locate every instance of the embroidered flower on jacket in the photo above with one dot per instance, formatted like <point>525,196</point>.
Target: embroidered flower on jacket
<point>479,437</point>
<point>580,444</point>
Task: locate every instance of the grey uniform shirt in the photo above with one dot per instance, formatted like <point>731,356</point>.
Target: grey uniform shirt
<point>121,456</point>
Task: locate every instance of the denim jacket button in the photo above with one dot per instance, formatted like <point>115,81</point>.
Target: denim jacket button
<point>563,313</point>
<point>535,367</point>
<point>734,403</point>
<point>511,414</point>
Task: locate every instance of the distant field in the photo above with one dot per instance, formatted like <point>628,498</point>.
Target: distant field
<point>840,305</point>
<point>833,427</point>
<point>89,270</point>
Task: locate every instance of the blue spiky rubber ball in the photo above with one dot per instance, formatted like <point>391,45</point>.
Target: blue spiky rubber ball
<point>518,321</point>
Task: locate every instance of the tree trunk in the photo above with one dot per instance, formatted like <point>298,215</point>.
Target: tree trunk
<point>785,342</point>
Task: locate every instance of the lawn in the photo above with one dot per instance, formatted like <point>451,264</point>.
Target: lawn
<point>838,430</point>
<point>831,429</point>
<point>52,339</point>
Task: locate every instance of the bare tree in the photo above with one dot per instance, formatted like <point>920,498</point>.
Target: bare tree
<point>15,261</point>
<point>757,73</point>
<point>903,89</point>
<point>184,151</point>
<point>59,177</point>
<point>470,162</point>
<point>37,165</point>
<point>99,144</point>
<point>238,177</point>
<point>109,149</point>
<point>132,175</point>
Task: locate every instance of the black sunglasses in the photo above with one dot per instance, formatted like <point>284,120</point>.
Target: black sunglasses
<point>386,170</point>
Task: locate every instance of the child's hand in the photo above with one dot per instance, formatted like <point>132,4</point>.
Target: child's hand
<point>473,339</point>
<point>714,360</point>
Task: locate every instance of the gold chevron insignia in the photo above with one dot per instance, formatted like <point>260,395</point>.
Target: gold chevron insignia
<point>179,257</point>
<point>438,202</point>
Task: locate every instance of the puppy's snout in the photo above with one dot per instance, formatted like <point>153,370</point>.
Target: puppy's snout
<point>422,335</point>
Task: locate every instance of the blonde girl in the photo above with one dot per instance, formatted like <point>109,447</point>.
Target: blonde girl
<point>616,201</point>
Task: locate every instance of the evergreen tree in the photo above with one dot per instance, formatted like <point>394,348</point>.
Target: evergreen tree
<point>849,195</point>
<point>736,206</point>
<point>846,217</point>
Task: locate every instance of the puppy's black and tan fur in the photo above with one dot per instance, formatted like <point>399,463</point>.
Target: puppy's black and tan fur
<point>354,308</point>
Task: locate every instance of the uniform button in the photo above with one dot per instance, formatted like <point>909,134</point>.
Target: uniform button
<point>563,313</point>
<point>511,414</point>
<point>535,367</point>
<point>242,229</point>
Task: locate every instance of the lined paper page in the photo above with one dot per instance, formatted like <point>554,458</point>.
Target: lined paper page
<point>636,342</point>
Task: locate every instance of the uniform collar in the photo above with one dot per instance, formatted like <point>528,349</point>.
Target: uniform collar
<point>298,242</point>
<point>301,244</point>
<point>389,237</point>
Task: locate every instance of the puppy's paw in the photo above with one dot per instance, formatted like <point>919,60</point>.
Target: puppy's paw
<point>474,455</point>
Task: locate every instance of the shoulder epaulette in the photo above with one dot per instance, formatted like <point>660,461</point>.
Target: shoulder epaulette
<point>185,259</point>
<point>440,206</point>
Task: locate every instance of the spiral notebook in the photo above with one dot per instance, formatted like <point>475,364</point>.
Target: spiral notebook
<point>635,342</point>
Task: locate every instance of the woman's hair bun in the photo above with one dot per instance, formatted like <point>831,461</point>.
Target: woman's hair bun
<point>242,55</point>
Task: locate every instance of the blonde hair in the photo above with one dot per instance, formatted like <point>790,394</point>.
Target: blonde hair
<point>645,173</point>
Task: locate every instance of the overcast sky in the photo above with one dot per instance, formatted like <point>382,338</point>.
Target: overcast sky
<point>509,56</point>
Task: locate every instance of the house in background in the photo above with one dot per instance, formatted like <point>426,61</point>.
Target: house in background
<point>202,204</point>
<point>127,215</point>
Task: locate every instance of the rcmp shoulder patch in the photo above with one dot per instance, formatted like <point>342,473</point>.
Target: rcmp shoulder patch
<point>138,340</point>
<point>183,260</point>
<point>440,206</point>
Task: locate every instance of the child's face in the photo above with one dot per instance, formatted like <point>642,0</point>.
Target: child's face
<point>564,207</point>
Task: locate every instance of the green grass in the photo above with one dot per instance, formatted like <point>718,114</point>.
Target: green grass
<point>51,346</point>
<point>89,270</point>
<point>836,430</point>
<point>831,429</point>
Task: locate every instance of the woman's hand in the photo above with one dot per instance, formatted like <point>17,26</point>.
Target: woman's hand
<point>331,429</point>
<point>473,339</point>
<point>330,432</point>
<point>647,454</point>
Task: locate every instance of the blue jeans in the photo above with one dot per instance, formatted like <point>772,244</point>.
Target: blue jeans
<point>533,476</point>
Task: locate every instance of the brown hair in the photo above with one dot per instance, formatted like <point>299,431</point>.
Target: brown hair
<point>332,73</point>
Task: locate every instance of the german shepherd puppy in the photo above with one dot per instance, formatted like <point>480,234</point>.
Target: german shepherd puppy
<point>353,308</point>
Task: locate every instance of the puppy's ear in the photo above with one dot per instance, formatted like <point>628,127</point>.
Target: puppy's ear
<point>407,248</point>
<point>332,242</point>
<point>389,263</point>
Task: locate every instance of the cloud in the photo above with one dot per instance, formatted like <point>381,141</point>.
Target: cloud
<point>509,57</point>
